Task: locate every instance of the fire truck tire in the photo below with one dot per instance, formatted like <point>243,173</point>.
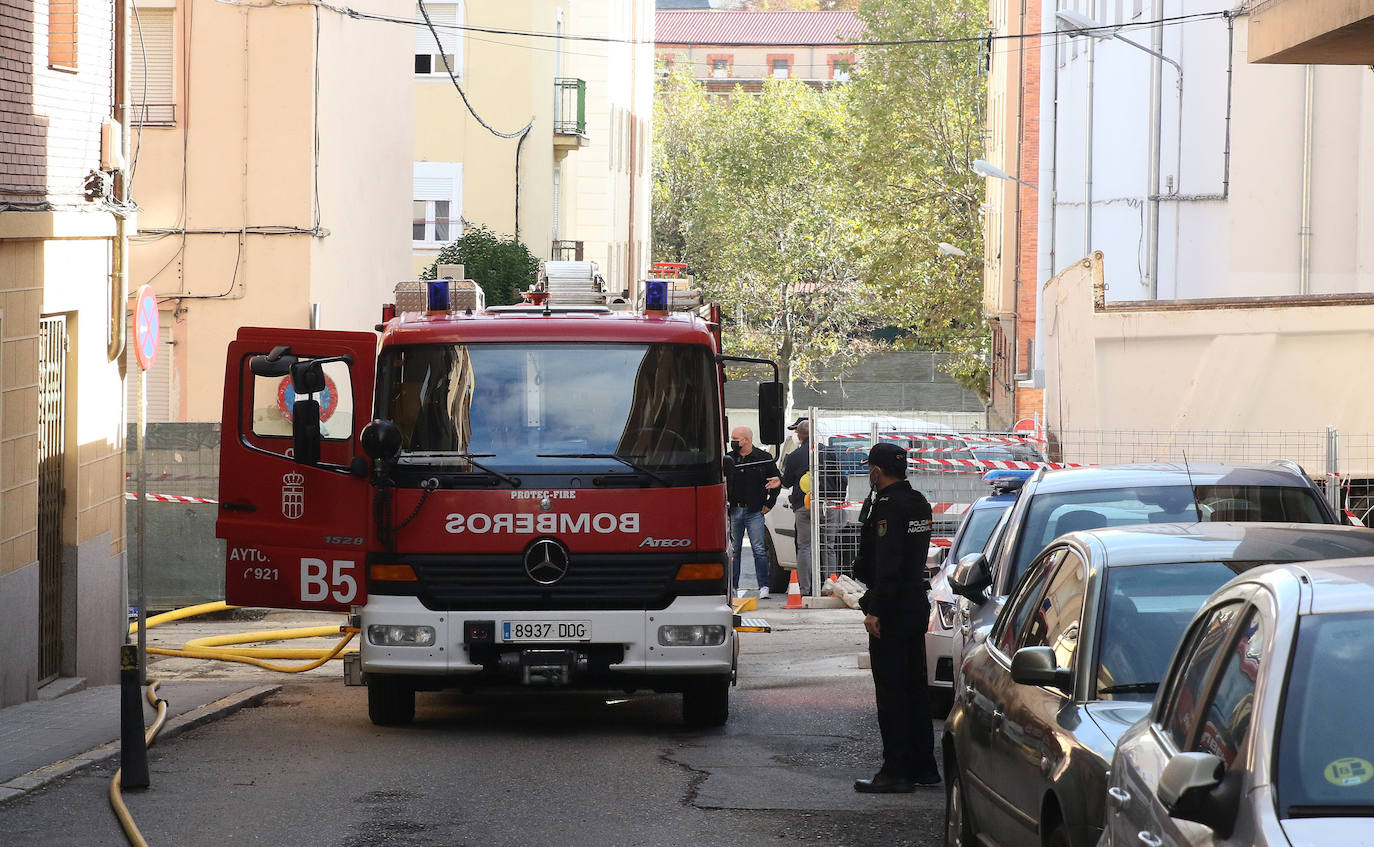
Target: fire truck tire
<point>706,703</point>
<point>390,702</point>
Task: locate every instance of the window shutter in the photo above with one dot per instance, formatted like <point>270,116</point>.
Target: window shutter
<point>159,379</point>
<point>444,16</point>
<point>433,188</point>
<point>151,66</point>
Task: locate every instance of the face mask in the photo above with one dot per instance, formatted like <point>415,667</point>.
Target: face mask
<point>734,445</point>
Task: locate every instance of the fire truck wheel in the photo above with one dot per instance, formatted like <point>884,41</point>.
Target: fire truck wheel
<point>706,703</point>
<point>390,702</point>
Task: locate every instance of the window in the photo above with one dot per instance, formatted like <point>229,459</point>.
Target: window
<point>437,203</point>
<point>1190,681</point>
<point>429,55</point>
<point>720,68</point>
<point>1055,622</point>
<point>1022,602</point>
<point>151,79</point>
<point>1226,720</point>
<point>62,21</point>
<point>840,66</point>
<point>781,68</point>
<point>274,400</point>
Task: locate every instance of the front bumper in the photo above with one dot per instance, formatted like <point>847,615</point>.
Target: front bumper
<point>623,651</point>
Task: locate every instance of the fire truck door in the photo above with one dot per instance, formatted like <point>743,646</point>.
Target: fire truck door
<point>296,535</point>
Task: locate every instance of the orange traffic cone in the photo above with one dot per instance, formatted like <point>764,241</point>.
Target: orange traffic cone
<point>793,593</point>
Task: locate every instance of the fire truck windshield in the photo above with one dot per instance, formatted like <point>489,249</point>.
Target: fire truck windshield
<point>513,404</point>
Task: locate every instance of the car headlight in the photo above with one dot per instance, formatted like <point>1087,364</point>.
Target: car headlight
<point>946,612</point>
<point>691,636</point>
<point>393,635</point>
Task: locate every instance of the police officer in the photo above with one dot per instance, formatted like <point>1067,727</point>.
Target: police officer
<point>893,542</point>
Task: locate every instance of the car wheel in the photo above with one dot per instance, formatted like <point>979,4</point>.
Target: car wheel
<point>941,701</point>
<point>958,825</point>
<point>390,702</point>
<point>706,703</point>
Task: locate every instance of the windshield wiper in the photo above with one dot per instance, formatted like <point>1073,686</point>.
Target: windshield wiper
<point>1130,688</point>
<point>439,457</point>
<point>620,459</point>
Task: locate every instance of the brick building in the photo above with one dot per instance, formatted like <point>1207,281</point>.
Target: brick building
<point>62,313</point>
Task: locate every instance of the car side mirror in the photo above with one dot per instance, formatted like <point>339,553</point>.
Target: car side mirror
<point>1039,666</point>
<point>971,577</point>
<point>1196,787</point>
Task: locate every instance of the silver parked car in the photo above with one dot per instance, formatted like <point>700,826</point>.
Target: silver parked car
<point>1261,733</point>
<point>1074,659</point>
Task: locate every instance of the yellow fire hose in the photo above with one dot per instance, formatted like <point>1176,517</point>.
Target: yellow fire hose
<point>218,647</point>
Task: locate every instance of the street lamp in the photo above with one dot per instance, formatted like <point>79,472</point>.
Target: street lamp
<point>1074,25</point>
<point>987,170</point>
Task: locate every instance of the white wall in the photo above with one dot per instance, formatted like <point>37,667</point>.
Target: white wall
<point>1244,246</point>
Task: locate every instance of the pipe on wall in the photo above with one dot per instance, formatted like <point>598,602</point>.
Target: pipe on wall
<point>1305,233</point>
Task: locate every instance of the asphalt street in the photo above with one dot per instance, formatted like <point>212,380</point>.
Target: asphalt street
<point>513,768</point>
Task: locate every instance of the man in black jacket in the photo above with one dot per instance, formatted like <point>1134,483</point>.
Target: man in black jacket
<point>893,542</point>
<point>752,488</point>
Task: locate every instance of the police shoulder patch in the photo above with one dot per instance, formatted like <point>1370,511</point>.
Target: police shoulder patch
<point>882,527</point>
<point>914,527</point>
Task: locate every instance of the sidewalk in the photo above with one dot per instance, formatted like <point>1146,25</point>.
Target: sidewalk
<point>45,740</point>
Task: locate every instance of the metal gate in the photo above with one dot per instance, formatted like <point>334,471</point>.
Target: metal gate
<point>52,421</point>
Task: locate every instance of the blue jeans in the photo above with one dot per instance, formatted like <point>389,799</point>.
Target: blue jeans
<point>742,521</point>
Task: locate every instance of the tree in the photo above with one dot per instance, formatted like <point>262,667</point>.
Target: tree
<point>503,266</point>
<point>753,193</point>
<point>918,112</point>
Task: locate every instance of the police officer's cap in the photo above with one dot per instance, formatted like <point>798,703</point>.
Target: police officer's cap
<point>887,457</point>
<point>798,422</point>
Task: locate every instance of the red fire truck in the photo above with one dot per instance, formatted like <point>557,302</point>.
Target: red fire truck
<point>512,495</point>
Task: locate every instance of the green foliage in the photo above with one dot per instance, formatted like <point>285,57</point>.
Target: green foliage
<point>504,267</point>
<point>813,215</point>
<point>919,121</point>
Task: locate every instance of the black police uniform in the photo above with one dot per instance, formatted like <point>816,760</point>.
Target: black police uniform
<point>893,542</point>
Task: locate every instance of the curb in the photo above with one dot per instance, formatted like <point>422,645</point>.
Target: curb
<point>223,707</point>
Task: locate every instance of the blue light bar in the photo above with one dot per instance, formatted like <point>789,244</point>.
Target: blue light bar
<point>438,295</point>
<point>655,295</point>
<point>1004,481</point>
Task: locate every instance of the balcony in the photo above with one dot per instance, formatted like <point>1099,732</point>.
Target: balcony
<point>1312,32</point>
<point>569,114</point>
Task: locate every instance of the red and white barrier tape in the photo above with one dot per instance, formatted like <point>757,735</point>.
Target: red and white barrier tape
<point>939,436</point>
<point>169,498</point>
<point>163,477</point>
<point>975,465</point>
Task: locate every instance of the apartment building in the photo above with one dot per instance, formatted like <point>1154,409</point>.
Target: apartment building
<point>272,149</point>
<point>61,338</point>
<point>536,126</point>
<point>730,49</point>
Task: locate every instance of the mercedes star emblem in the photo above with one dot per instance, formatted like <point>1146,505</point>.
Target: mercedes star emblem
<point>546,561</point>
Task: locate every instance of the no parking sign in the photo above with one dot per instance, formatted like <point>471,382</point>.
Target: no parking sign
<point>145,328</point>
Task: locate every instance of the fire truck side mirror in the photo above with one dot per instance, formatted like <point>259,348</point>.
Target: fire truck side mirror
<point>771,422</point>
<point>381,440</point>
<point>276,363</point>
<point>305,431</point>
<point>307,377</point>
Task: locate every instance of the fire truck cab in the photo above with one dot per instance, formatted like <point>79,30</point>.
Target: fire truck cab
<point>527,495</point>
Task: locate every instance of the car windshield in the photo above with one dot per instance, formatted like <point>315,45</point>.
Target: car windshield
<point>1145,610</point>
<point>550,407</point>
<point>1325,754</point>
<point>1051,515</point>
<point>977,528</point>
<point>1008,453</point>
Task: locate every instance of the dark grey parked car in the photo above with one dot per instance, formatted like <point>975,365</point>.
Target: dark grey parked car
<point>1053,502</point>
<point>1075,657</point>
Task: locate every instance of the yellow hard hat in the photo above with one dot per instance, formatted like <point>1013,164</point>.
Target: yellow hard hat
<point>805,482</point>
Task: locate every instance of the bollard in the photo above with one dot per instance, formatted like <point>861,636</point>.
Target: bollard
<point>133,745</point>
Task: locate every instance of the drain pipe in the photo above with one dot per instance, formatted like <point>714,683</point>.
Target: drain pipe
<point>1156,130</point>
<point>1088,158</point>
<point>119,253</point>
<point>1305,234</point>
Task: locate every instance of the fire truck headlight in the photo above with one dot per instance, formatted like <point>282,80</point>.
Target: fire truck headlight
<point>691,636</point>
<point>389,635</point>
